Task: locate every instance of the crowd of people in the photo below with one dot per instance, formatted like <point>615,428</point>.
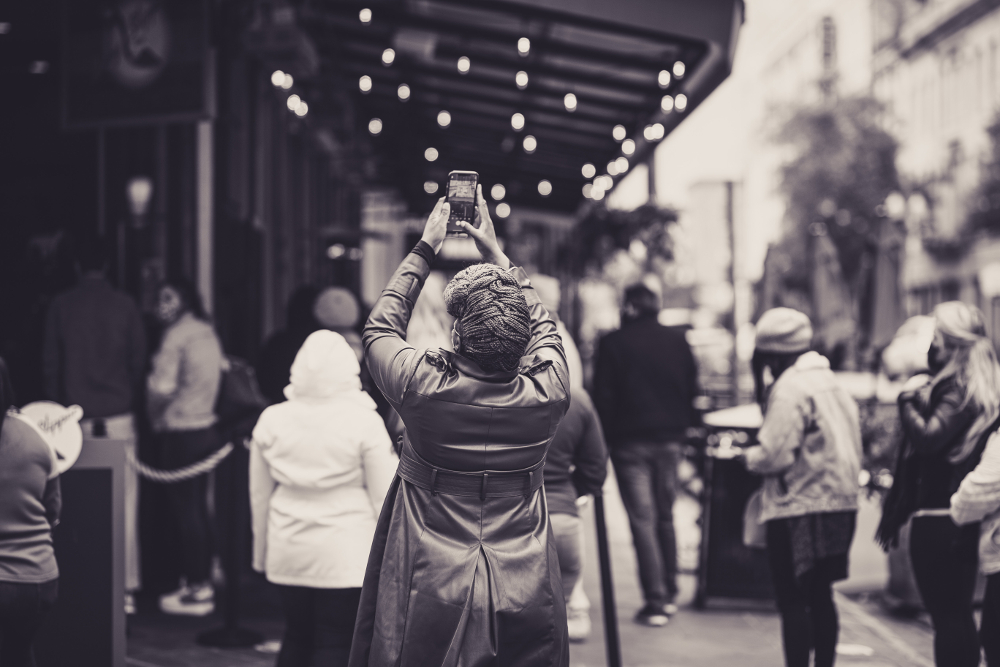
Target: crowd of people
<point>420,503</point>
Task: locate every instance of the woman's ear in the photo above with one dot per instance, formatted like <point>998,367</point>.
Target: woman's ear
<point>456,338</point>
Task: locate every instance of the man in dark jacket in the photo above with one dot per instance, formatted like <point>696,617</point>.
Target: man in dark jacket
<point>644,383</point>
<point>462,569</point>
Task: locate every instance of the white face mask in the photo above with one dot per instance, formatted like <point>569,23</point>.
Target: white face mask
<point>168,306</point>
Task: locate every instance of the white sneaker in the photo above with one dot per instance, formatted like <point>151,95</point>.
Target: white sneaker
<point>189,601</point>
<point>670,609</point>
<point>578,625</point>
<point>129,604</point>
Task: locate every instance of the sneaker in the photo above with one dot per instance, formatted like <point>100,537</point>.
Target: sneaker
<point>578,625</point>
<point>670,609</point>
<point>189,601</point>
<point>652,615</point>
<point>129,604</point>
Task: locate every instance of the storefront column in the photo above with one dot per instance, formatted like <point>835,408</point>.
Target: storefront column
<point>204,223</point>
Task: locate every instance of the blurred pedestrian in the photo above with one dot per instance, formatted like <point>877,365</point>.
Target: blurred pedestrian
<point>575,466</point>
<point>320,466</point>
<point>181,391</point>
<point>95,357</point>
<point>946,425</point>
<point>645,382</point>
<point>809,452</point>
<point>30,501</point>
<point>275,360</point>
<point>463,570</point>
<point>978,500</point>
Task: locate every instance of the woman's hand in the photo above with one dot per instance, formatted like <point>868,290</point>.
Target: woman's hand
<point>437,225</point>
<point>484,234</point>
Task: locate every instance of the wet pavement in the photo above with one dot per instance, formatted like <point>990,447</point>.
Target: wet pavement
<point>715,637</point>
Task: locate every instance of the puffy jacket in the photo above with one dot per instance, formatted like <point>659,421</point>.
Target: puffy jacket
<point>978,499</point>
<point>810,443</point>
<point>320,466</point>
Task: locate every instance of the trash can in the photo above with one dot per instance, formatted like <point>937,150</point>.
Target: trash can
<point>729,571</point>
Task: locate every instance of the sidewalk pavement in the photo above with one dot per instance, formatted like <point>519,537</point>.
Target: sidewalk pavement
<point>749,637</point>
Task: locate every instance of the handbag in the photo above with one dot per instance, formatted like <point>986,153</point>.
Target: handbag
<point>754,531</point>
<point>240,400</point>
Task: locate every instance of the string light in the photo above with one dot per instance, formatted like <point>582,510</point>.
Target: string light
<point>498,192</point>
<point>667,104</point>
<point>444,118</point>
<point>388,56</point>
<point>570,101</point>
<point>622,164</point>
<point>365,15</point>
<point>430,187</point>
<point>681,102</point>
<point>587,189</point>
<point>663,78</point>
<point>403,91</point>
<point>375,126</point>
<point>628,147</point>
<point>618,133</point>
<point>521,79</point>
<point>365,83</point>
<point>503,210</point>
<point>293,102</point>
<point>544,188</point>
<point>431,154</point>
<point>464,64</point>
<point>302,109</point>
<point>679,69</point>
<point>530,144</point>
<point>517,121</point>
<point>588,170</point>
<point>524,46</point>
<point>613,168</point>
<point>278,78</point>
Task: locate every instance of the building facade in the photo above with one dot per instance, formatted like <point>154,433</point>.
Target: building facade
<point>936,67</point>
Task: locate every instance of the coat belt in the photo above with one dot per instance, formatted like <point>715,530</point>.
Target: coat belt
<point>485,484</point>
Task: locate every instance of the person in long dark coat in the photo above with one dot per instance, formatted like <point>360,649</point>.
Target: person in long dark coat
<point>463,568</point>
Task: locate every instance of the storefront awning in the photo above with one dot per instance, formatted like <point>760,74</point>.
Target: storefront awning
<point>474,79</point>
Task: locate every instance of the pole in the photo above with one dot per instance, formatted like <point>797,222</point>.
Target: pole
<point>612,643</point>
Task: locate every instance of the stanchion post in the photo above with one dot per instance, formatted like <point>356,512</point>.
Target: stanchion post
<point>231,635</point>
<point>611,640</point>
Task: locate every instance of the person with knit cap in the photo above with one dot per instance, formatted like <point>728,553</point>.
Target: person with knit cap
<point>946,425</point>
<point>463,568</point>
<point>809,452</point>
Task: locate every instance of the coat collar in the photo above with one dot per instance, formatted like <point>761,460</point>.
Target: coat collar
<point>468,367</point>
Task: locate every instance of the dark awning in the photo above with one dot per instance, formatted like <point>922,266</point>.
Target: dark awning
<point>608,53</point>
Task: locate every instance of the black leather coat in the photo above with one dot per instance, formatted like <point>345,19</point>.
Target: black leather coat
<point>459,580</point>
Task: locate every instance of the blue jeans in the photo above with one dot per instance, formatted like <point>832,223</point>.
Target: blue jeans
<point>647,480</point>
<point>22,608</point>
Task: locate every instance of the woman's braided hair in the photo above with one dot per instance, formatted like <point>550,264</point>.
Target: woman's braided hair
<point>492,316</point>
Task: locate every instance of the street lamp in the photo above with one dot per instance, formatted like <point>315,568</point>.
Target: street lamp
<point>139,191</point>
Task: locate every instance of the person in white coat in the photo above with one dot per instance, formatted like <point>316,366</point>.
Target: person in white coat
<point>978,500</point>
<point>320,466</point>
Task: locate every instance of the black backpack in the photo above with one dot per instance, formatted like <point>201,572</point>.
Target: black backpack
<point>240,400</point>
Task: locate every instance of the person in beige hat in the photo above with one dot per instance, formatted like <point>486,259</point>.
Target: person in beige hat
<point>809,453</point>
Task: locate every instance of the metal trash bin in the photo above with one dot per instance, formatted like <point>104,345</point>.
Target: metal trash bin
<point>729,571</point>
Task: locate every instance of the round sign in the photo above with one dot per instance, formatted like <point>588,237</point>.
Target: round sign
<point>60,426</point>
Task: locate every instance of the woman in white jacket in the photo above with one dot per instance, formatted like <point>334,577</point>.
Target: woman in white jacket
<point>978,499</point>
<point>320,466</point>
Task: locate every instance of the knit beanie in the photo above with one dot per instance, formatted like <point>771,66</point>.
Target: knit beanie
<point>492,316</point>
<point>783,330</point>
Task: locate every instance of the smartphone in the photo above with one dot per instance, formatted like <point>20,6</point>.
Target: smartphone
<point>461,195</point>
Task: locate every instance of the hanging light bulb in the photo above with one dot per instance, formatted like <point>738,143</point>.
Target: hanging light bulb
<point>365,83</point>
<point>444,118</point>
<point>628,147</point>
<point>524,46</point>
<point>521,79</point>
<point>618,133</point>
<point>517,121</point>
<point>403,92</point>
<point>388,56</point>
<point>588,170</point>
<point>464,65</point>
<point>570,102</point>
<point>663,78</point>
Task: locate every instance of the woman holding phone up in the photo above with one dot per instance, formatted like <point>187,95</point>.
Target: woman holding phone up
<point>463,569</point>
